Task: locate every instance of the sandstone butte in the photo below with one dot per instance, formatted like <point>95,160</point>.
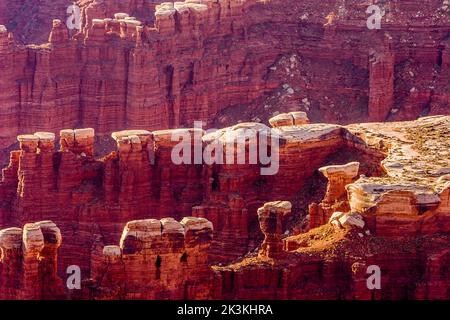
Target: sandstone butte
<point>141,227</point>
<point>346,196</point>
<point>144,65</point>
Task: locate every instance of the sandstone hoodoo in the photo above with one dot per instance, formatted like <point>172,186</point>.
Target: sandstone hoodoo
<point>152,65</point>
<point>328,178</point>
<point>272,220</point>
<point>156,259</point>
<point>28,268</point>
<point>222,213</point>
<point>339,176</point>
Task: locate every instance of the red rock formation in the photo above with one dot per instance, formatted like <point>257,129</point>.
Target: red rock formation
<point>29,20</point>
<point>381,82</point>
<point>28,262</point>
<point>235,192</point>
<point>209,60</point>
<point>396,208</point>
<point>401,217</point>
<point>289,119</point>
<point>140,180</point>
<point>412,207</point>
<point>435,283</point>
<point>156,259</point>
<point>223,61</point>
<point>336,195</point>
<point>272,220</point>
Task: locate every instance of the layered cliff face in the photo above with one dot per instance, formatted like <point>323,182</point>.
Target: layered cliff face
<point>231,241</point>
<point>29,20</point>
<point>398,223</point>
<point>90,199</point>
<point>305,220</point>
<point>203,60</point>
<point>156,259</point>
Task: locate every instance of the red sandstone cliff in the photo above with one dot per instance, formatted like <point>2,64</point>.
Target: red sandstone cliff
<point>204,61</point>
<point>28,20</point>
<point>292,235</point>
<point>397,219</point>
<point>156,259</point>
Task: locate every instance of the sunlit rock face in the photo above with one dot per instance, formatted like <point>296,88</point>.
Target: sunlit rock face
<point>90,119</point>
<point>111,216</point>
<point>28,263</point>
<point>146,65</point>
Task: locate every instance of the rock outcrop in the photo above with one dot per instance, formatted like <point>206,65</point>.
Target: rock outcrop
<point>157,67</point>
<point>289,119</point>
<point>397,219</point>
<point>349,221</point>
<point>394,221</point>
<point>28,265</point>
<point>136,64</point>
<point>339,176</point>
<point>157,259</point>
<point>272,220</point>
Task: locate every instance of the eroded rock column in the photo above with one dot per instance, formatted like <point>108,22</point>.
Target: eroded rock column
<point>272,221</point>
<point>157,259</point>
<point>36,177</point>
<point>339,176</point>
<point>133,174</point>
<point>28,264</point>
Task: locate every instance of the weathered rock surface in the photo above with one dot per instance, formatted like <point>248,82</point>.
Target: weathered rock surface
<point>220,62</point>
<point>351,220</point>
<point>339,176</point>
<point>28,264</point>
<point>411,195</point>
<point>29,20</point>
<point>157,259</point>
<point>401,217</point>
<point>272,221</point>
<point>289,119</point>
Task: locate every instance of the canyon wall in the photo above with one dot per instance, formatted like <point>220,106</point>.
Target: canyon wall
<point>242,235</point>
<point>29,20</point>
<point>91,199</point>
<point>28,263</point>
<point>240,245</point>
<point>203,60</point>
<point>398,222</point>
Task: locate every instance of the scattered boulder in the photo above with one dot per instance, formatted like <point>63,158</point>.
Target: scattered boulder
<point>351,221</point>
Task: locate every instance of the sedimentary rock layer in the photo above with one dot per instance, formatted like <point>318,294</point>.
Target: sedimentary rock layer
<point>99,203</point>
<point>220,62</point>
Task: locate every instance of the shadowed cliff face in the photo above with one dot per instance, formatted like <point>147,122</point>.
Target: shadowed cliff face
<point>207,62</point>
